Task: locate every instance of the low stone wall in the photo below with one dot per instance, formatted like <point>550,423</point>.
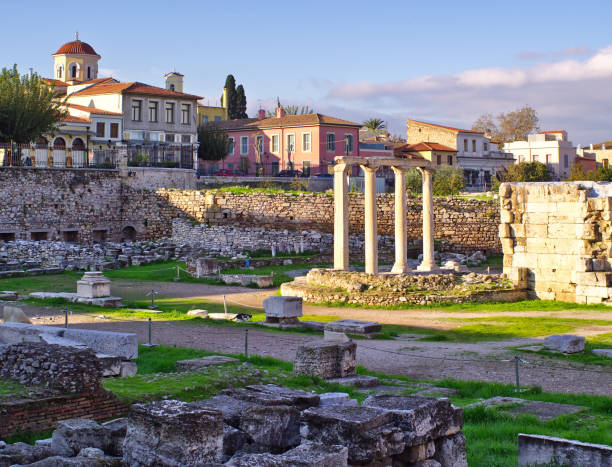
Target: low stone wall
<point>548,450</point>
<point>65,369</point>
<point>44,413</point>
<point>330,286</point>
<point>557,239</point>
<point>154,178</point>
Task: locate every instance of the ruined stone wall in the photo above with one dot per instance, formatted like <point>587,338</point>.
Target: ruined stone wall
<point>557,239</point>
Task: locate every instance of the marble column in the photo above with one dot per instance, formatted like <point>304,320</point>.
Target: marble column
<point>370,221</point>
<point>341,218</point>
<point>428,263</point>
<point>401,240</point>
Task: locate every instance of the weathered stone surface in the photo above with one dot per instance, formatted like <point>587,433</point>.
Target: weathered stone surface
<point>326,359</point>
<point>58,461</point>
<point>22,453</point>
<point>565,343</point>
<point>333,336</point>
<point>8,295</point>
<point>368,433</point>
<point>450,451</point>
<point>75,434</point>
<point>316,455</point>
<point>256,460</point>
<point>282,307</point>
<point>272,393</point>
<point>111,365</point>
<point>603,352</point>
<point>53,366</point>
<point>353,326</point>
<point>234,440</point>
<point>333,398</point>
<point>422,419</point>
<point>204,362</point>
<point>544,450</point>
<point>360,381</point>
<point>93,284</point>
<point>13,314</point>
<point>173,433</point>
<point>128,369</point>
<point>116,430</point>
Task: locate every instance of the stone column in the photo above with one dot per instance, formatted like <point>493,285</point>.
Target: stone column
<point>370,221</point>
<point>401,240</point>
<point>428,263</point>
<point>341,218</point>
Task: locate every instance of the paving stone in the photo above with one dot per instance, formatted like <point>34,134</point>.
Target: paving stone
<point>603,352</point>
<point>360,381</point>
<point>204,362</point>
<point>353,326</point>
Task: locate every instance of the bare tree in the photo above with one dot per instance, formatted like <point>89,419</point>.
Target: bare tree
<point>511,126</point>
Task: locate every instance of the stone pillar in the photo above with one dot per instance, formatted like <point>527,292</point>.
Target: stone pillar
<point>370,221</point>
<point>428,263</point>
<point>341,218</point>
<point>122,159</point>
<point>401,240</point>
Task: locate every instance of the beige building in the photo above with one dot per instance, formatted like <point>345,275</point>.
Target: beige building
<point>601,152</point>
<point>549,147</point>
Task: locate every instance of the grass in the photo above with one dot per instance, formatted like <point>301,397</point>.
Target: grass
<point>11,388</point>
<point>587,358</point>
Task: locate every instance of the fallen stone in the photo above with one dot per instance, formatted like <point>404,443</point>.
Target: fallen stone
<point>23,454</point>
<point>360,381</point>
<point>603,352</point>
<point>74,434</point>
<point>173,433</point>
<point>333,336</point>
<point>92,453</point>
<point>333,398</point>
<point>549,450</point>
<point>116,430</point>
<point>204,362</point>
<point>326,359</point>
<point>128,369</point>
<point>450,451</point>
<point>198,313</point>
<point>280,309</point>
<point>316,455</point>
<point>8,295</point>
<point>353,326</point>
<point>565,343</point>
<point>268,393</point>
<point>13,314</point>
<point>111,365</point>
<point>223,316</point>
<point>316,325</point>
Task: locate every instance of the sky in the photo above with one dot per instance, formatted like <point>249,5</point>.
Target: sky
<point>441,61</point>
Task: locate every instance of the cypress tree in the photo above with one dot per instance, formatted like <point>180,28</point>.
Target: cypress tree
<point>230,85</point>
<point>241,102</point>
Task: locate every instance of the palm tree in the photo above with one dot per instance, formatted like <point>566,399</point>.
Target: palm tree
<point>375,125</point>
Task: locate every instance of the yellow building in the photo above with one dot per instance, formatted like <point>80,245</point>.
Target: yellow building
<point>437,153</point>
<point>75,62</point>
<point>208,113</point>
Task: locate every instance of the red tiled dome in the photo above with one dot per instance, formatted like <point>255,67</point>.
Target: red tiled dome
<point>76,47</point>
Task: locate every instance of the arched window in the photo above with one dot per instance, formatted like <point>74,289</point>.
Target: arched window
<point>59,143</point>
<point>73,71</point>
<point>88,72</point>
<point>172,87</point>
<point>60,71</point>
<point>41,143</point>
<point>78,144</point>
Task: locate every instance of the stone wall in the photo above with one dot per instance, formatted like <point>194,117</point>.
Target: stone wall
<point>548,450</point>
<point>557,239</point>
<point>43,413</point>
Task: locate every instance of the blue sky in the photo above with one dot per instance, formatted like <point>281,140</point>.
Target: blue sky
<point>441,61</point>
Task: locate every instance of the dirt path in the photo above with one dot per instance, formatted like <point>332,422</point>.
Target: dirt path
<point>488,361</point>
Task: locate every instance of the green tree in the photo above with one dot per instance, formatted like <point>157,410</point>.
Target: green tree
<point>375,125</point>
<point>291,110</point>
<point>230,87</point>
<point>602,174</point>
<point>447,181</point>
<point>511,126</point>
<point>27,107</point>
<point>214,143</point>
<point>241,102</point>
<point>527,172</point>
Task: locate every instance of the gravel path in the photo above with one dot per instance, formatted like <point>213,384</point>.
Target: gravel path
<point>488,361</point>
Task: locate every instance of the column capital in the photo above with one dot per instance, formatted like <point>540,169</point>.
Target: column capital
<point>399,170</point>
<point>368,169</point>
<point>340,167</point>
<point>426,170</point>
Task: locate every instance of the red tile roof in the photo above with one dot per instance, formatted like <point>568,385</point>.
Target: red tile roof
<point>93,110</point>
<point>282,122</point>
<point>99,81</point>
<point>76,47</point>
<point>73,119</point>
<point>56,82</point>
<point>551,131</point>
<point>458,130</point>
<point>132,88</point>
<point>426,147</point>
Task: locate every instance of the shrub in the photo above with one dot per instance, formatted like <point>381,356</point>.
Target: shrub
<point>447,181</point>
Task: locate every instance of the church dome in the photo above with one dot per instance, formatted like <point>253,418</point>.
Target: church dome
<point>76,47</point>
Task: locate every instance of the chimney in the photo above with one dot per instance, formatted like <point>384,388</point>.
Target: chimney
<point>261,114</point>
<point>280,112</point>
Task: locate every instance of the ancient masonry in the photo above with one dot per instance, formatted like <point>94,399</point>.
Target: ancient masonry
<point>557,239</point>
<point>90,205</point>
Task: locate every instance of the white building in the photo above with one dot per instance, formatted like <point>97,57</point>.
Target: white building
<point>548,147</point>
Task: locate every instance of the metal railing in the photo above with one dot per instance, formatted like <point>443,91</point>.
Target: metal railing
<point>173,156</point>
<point>39,156</point>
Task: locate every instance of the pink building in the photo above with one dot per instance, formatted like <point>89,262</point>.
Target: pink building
<point>267,146</point>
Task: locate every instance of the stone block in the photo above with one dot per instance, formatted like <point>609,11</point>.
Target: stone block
<point>450,451</point>
<point>93,285</point>
<point>13,314</point>
<point>279,309</point>
<point>548,450</point>
<point>506,217</point>
<point>367,432</point>
<point>603,352</point>
<point>359,381</point>
<point>116,430</point>
<point>173,433</point>
<point>504,231</point>
<point>72,435</point>
<point>333,398</point>
<point>316,455</point>
<point>507,245</point>
<point>518,230</point>
<point>353,326</point>
<point>599,264</point>
<point>333,336</point>
<point>593,291</point>
<point>326,359</point>
<point>128,369</point>
<point>505,190</point>
<point>537,230</point>
<point>565,343</point>
<point>122,344</point>
<point>272,394</point>
<point>204,362</point>
<point>206,267</point>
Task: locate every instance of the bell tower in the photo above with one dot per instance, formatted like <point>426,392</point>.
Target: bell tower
<point>75,62</point>
<point>174,81</point>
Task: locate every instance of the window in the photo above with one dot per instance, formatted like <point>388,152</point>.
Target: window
<point>60,71</point>
<point>186,139</point>
<point>88,72</point>
<point>114,130</point>
<point>152,111</point>
<point>605,163</point>
<point>473,145</point>
<point>449,160</point>
<point>348,143</point>
<point>306,168</point>
<point>331,141</point>
<point>100,129</point>
<point>260,146</point>
<point>485,146</point>
<point>172,87</point>
<point>169,112</point>
<point>204,120</point>
<point>291,143</point>
<point>136,111</point>
<point>244,145</point>
<point>274,144</point>
<point>38,236</point>
<point>169,138</point>
<point>231,146</point>
<point>439,159</point>
<point>274,168</point>
<point>565,161</point>
<point>73,71</point>
<point>465,145</point>
<point>185,113</point>
<point>306,142</point>
<point>217,118</point>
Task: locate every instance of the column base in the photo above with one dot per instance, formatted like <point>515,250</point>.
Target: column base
<point>428,267</point>
<point>400,269</point>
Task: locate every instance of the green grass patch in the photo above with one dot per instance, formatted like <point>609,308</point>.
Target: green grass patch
<point>10,388</point>
<point>28,437</point>
<point>604,339</point>
<point>63,282</point>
